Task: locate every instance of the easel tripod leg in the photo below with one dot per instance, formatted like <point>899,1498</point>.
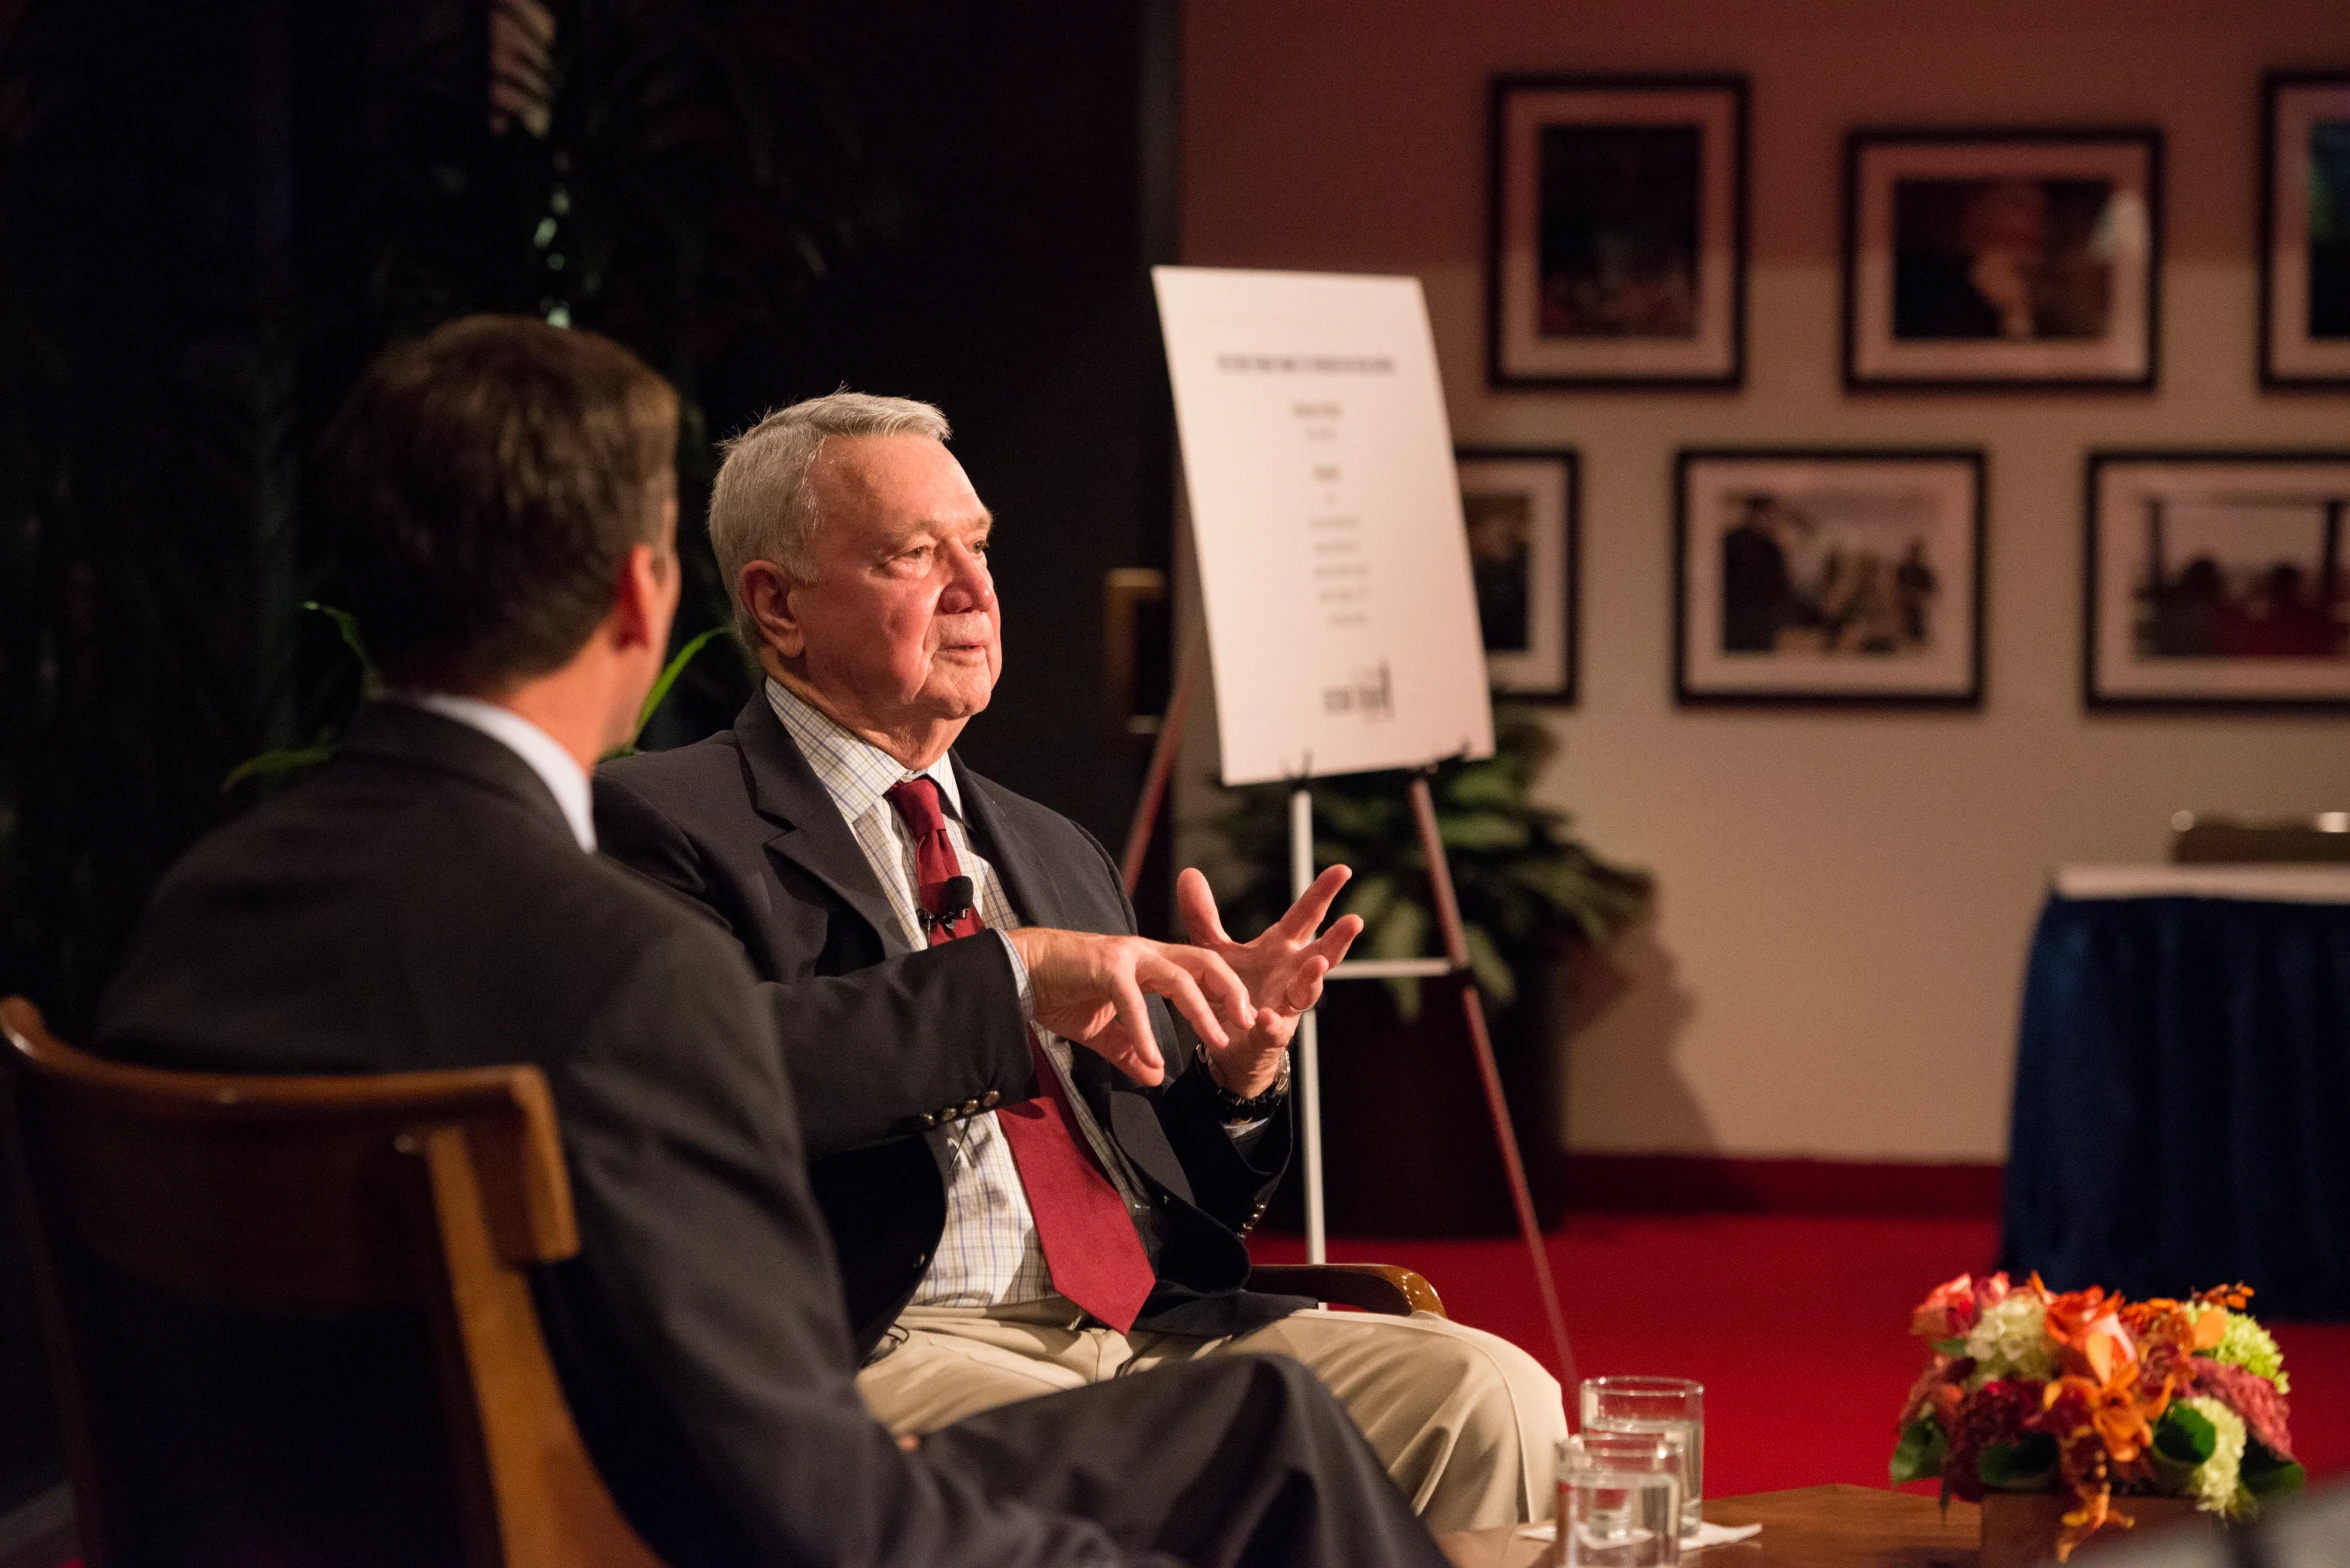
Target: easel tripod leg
<point>1456,947</point>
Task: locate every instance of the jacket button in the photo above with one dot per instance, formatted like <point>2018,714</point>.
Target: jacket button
<point>970,1107</point>
<point>949,1114</point>
<point>928,1121</point>
<point>990,1099</point>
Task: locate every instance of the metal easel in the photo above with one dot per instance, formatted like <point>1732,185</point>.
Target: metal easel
<point>1307,1071</point>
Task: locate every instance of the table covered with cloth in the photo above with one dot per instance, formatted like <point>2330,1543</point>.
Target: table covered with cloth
<point>2182,1094</point>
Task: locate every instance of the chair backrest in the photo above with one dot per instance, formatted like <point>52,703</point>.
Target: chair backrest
<point>2219,841</point>
<point>321,1200</point>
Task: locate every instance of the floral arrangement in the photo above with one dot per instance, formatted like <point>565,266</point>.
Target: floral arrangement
<point>2090,1395</point>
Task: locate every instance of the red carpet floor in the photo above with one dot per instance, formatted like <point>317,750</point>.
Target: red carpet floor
<point>1796,1324</point>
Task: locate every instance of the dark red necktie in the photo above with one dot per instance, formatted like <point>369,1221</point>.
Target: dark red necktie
<point>1088,1238</point>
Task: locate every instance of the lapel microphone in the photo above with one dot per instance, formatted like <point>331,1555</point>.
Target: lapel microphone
<point>954,902</point>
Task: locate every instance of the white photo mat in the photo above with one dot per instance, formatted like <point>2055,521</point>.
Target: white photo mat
<point>1847,504</point>
<point>2289,353</point>
<point>1877,164</point>
<point>1520,352</point>
<point>1545,484</point>
<point>2243,511</point>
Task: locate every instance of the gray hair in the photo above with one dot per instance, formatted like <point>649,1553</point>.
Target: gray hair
<point>763,505</point>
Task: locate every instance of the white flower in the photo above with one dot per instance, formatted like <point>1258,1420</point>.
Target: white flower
<point>2011,1340</point>
<point>2253,1348</point>
<point>2215,1484</point>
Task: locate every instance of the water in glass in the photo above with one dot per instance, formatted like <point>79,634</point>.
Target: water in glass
<point>1619,1502</point>
<point>1659,1406</point>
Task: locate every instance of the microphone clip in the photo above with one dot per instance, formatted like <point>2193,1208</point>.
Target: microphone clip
<point>955,898</point>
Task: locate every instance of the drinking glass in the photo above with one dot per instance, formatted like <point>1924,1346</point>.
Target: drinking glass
<point>1656,1405</point>
<point>1620,1500</point>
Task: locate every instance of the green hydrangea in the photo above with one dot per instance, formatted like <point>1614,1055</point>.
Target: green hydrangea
<point>2253,1348</point>
<point>2011,1340</point>
<point>2217,1483</point>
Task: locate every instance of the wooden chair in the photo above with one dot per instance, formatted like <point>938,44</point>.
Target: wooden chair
<point>2224,841</point>
<point>309,1197</point>
<point>1374,1287</point>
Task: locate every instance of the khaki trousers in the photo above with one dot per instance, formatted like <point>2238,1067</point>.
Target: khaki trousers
<point>1466,1423</point>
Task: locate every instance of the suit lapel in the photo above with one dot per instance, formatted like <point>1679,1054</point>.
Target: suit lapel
<point>1036,895</point>
<point>1029,885</point>
<point>786,791</point>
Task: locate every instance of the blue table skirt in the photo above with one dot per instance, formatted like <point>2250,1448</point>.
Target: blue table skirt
<point>2182,1101</point>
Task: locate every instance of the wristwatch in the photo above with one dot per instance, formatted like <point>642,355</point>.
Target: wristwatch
<point>1235,1108</point>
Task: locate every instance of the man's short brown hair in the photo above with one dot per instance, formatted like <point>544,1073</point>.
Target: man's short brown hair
<point>485,483</point>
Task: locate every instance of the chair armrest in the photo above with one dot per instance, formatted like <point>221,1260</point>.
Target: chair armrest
<point>1374,1287</point>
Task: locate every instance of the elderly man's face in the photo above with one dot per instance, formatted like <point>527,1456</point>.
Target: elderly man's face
<point>900,626</point>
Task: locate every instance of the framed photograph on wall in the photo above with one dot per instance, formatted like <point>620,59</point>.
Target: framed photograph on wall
<point>2218,579</point>
<point>2016,259</point>
<point>2305,231</point>
<point>1837,577</point>
<point>1520,507</point>
<point>1616,232</point>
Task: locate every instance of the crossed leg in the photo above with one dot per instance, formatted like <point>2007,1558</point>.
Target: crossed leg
<point>1466,1423</point>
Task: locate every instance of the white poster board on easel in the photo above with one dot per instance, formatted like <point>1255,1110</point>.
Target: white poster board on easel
<point>1334,567</point>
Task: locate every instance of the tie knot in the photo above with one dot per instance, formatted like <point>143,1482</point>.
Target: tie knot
<point>917,802</point>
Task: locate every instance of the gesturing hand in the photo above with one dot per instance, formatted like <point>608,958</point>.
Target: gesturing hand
<point>1089,989</point>
<point>1282,969</point>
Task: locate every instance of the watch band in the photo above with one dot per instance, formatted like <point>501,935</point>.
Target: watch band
<point>1256,1107</point>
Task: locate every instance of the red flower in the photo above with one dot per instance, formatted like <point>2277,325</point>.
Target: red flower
<point>1946,1313</point>
<point>2002,1411</point>
<point>2248,1394</point>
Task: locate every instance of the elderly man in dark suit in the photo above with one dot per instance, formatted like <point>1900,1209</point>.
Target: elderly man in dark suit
<point>431,900</point>
<point>1029,1190</point>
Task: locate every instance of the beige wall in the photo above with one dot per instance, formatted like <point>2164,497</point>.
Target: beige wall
<point>1846,897</point>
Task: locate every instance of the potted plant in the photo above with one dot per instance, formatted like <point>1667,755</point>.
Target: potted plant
<point>1404,1120</point>
<point>2071,1417</point>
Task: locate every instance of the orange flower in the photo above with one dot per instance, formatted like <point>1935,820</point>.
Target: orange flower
<point>2087,1327</point>
<point>2191,1327</point>
<point>1946,1313</point>
<point>2098,1426</point>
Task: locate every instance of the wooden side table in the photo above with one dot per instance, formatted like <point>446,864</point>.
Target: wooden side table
<point>1809,1527</point>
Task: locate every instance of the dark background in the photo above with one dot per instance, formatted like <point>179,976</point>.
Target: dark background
<point>212,216</point>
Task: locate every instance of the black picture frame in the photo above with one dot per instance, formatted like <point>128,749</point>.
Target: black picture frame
<point>2123,665</point>
<point>1883,282</point>
<point>1517,353</point>
<point>1708,672</point>
<point>1548,668</point>
<point>2293,359</point>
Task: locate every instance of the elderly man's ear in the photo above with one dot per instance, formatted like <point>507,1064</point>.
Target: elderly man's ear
<point>767,592</point>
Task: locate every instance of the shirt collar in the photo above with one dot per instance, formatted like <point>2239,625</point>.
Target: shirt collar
<point>856,773</point>
<point>556,768</point>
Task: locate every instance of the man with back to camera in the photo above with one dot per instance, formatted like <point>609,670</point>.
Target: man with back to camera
<point>430,899</point>
<point>1012,1216</point>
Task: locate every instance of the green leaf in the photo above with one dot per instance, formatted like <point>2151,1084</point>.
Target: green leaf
<point>1370,898</point>
<point>1493,975</point>
<point>668,678</point>
<point>1399,934</point>
<point>2185,1435</point>
<point>1919,1454</point>
<point>2028,1466</point>
<point>348,625</point>
<point>1484,784</point>
<point>1482,830</point>
<point>1951,1347</point>
<point>289,759</point>
<point>2268,1476</point>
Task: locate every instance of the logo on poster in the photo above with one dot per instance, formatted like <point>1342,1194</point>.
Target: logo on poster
<point>1371,694</point>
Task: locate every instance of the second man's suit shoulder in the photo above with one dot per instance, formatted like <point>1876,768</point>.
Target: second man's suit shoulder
<point>709,769</point>
<point>1039,823</point>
